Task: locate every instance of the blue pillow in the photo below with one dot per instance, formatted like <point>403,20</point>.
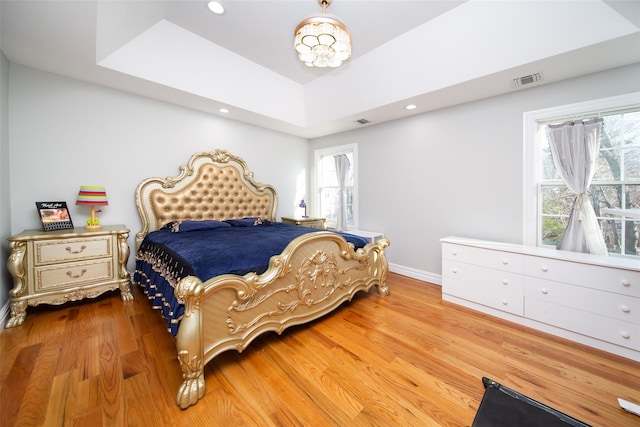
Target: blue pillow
<point>247,222</point>
<point>191,225</point>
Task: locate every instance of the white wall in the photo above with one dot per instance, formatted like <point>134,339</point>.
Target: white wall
<point>456,171</point>
<point>5,213</point>
<point>65,133</point>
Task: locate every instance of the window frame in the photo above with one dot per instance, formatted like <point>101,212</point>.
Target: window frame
<point>333,151</point>
<point>531,150</point>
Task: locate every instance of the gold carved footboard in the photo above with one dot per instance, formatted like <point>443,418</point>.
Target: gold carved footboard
<point>314,275</point>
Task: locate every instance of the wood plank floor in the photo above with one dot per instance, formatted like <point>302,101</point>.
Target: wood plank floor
<point>403,360</point>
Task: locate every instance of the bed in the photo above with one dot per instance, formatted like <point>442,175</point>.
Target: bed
<point>314,273</point>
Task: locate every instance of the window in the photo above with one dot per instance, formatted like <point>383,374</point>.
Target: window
<point>616,182</point>
<point>327,185</point>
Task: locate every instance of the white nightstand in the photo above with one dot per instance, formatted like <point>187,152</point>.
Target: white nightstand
<point>371,236</point>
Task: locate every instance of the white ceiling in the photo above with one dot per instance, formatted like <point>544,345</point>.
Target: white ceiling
<point>430,53</point>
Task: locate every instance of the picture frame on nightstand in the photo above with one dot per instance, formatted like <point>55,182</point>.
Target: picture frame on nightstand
<point>54,216</point>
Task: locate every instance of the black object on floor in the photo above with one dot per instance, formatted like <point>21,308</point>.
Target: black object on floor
<point>503,407</point>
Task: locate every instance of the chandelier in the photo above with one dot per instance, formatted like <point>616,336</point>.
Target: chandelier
<point>322,40</point>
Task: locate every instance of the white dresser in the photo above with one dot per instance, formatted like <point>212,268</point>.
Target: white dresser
<point>591,299</point>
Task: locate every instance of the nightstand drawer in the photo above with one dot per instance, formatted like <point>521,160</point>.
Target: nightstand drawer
<point>72,274</point>
<point>54,251</point>
<point>319,223</point>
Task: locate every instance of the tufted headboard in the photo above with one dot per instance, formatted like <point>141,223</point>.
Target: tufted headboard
<point>213,185</point>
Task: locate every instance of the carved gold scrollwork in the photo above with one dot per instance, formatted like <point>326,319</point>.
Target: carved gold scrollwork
<point>15,265</point>
<point>18,313</point>
<point>316,280</point>
<point>317,277</point>
<point>125,291</point>
<point>123,257</point>
<point>190,291</point>
<point>75,295</point>
<point>171,181</point>
<point>220,156</point>
<point>193,387</point>
<point>383,267</point>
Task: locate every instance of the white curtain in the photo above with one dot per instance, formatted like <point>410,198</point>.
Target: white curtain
<point>342,172</point>
<point>575,147</point>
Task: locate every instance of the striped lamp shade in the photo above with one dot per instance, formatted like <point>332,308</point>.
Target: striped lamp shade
<point>92,195</point>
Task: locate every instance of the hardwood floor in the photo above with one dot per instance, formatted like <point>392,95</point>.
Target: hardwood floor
<point>407,359</point>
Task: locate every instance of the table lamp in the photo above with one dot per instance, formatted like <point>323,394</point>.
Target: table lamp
<point>303,205</point>
<point>92,195</point>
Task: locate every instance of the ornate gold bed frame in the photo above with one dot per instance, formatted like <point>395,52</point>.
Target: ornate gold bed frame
<point>314,274</point>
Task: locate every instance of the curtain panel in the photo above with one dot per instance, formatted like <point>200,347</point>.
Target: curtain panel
<point>575,147</point>
<point>342,171</point>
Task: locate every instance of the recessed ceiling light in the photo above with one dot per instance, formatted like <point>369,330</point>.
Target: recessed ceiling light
<point>216,6</point>
<point>224,110</point>
<point>410,107</point>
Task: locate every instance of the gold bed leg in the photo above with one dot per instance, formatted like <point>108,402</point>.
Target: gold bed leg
<point>382,266</point>
<point>190,342</point>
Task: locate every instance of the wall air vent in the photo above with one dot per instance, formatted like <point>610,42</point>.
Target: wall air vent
<point>527,80</point>
<point>362,121</point>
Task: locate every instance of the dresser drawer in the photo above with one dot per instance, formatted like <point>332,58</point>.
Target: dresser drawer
<point>505,261</point>
<point>614,331</point>
<point>608,304</point>
<point>73,274</point>
<point>501,290</point>
<point>54,251</point>
<point>508,300</point>
<point>617,280</point>
<point>482,276</point>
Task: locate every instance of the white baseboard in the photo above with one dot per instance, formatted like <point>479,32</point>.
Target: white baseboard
<point>4,315</point>
<point>414,273</point>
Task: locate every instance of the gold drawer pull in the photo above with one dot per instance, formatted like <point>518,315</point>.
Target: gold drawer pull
<point>70,274</point>
<point>82,248</point>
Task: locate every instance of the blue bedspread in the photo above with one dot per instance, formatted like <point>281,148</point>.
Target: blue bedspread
<point>207,249</point>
